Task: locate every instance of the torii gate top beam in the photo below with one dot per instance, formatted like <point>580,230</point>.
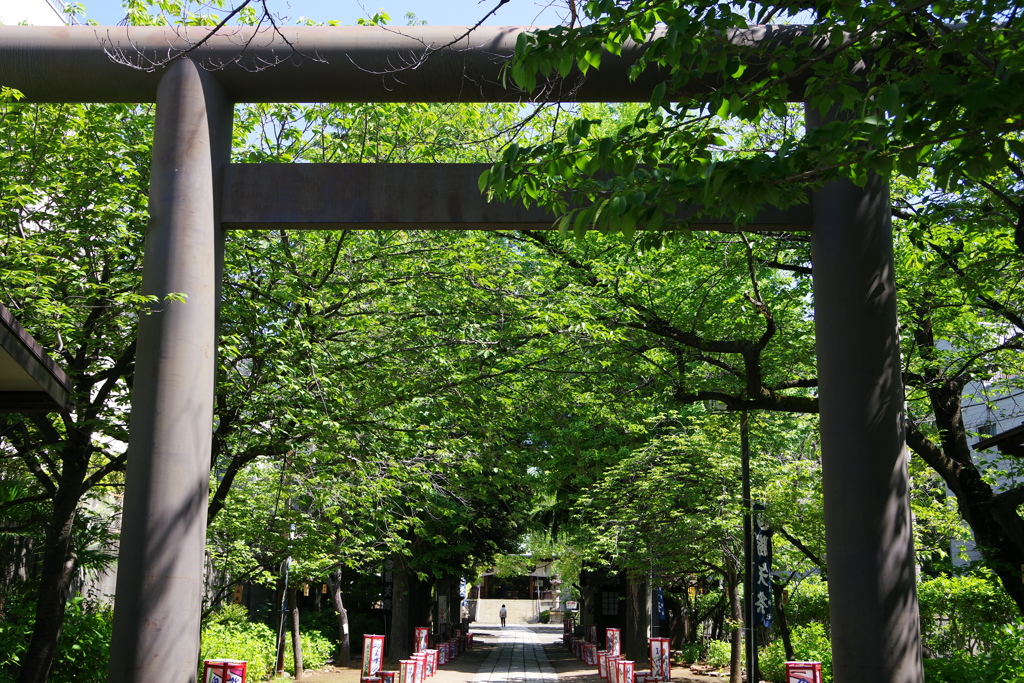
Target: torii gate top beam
<point>319,64</point>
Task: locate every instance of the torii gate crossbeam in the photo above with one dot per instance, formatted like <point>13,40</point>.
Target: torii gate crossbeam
<point>870,549</point>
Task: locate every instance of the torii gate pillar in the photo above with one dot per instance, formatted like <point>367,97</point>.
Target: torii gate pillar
<point>868,536</point>
<point>163,532</point>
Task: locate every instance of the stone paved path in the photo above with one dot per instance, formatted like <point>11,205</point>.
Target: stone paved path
<point>514,654</point>
<point>518,658</point>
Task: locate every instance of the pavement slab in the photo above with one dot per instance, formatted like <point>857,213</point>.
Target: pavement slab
<point>514,654</point>
<point>519,657</point>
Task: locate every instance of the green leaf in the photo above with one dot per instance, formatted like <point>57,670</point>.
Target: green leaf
<point>943,83</point>
<point>1017,147</point>
<point>723,109</point>
<point>593,57</point>
<point>563,224</point>
<point>888,98</point>
<point>565,64</point>
<point>658,96</point>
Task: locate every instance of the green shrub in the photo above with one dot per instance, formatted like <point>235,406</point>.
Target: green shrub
<point>956,668</point>
<point>771,661</point>
<point>545,616</point>
<point>719,653</point>
<point>249,641</point>
<point>810,644</point>
<point>1004,662</point>
<point>324,621</point>
<point>316,651</point>
<point>808,603</point>
<point>84,647</point>
<point>690,653</point>
<point>963,614</point>
<point>15,630</point>
<point>228,634</point>
<point>228,614</point>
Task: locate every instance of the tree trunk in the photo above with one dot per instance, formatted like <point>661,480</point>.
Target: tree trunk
<point>343,657</point>
<point>997,527</point>
<point>717,619</point>
<point>293,621</point>
<point>732,580</point>
<point>420,605</point>
<point>678,622</point>
<point>780,621</point>
<point>58,570</point>
<point>280,609</point>
<point>400,636</point>
<point>635,636</point>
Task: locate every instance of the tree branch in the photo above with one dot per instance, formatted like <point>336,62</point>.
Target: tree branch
<point>115,465</point>
<point>25,499</point>
<point>808,553</point>
<point>1012,498</point>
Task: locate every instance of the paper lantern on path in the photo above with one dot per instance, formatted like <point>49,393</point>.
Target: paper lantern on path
<point>422,634</point>
<point>661,659</point>
<point>406,671</point>
<point>612,641</point>
<point>373,654</point>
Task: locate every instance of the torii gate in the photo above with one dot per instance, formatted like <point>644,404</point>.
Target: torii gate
<point>195,195</point>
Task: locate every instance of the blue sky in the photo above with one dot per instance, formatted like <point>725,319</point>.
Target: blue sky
<point>434,12</point>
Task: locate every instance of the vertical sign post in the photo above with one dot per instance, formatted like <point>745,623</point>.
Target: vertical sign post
<point>762,569</point>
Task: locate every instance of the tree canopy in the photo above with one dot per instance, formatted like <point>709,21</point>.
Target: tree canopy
<point>441,395</point>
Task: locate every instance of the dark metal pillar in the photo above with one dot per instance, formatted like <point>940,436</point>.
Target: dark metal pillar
<point>163,533</point>
<point>749,609</point>
<point>871,573</point>
<point>653,602</point>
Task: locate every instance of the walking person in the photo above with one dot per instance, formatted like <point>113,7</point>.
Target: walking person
<point>502,613</point>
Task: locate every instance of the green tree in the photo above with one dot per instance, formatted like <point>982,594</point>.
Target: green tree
<point>74,179</point>
<point>929,91</point>
<point>380,348</point>
<point>671,508</point>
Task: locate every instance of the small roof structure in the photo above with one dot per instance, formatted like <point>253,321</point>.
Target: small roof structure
<point>1010,442</point>
<point>30,381</point>
<point>542,570</point>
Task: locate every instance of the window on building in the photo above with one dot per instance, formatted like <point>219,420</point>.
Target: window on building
<point>609,603</point>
